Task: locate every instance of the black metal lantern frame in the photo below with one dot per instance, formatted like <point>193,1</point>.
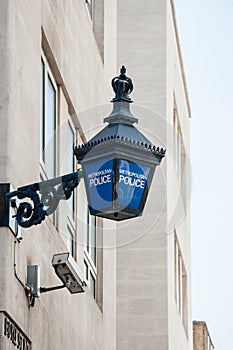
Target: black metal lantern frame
<point>123,169</point>
<point>118,165</point>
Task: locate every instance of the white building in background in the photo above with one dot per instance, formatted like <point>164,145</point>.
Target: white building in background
<point>153,254</point>
<point>57,60</point>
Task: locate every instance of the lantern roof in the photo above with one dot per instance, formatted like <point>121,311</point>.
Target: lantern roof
<point>118,133</point>
<point>120,130</point>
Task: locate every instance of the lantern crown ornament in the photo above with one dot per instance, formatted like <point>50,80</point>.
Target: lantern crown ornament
<point>122,86</point>
<point>119,162</point>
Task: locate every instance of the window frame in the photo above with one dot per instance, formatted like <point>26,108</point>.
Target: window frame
<point>87,251</point>
<point>90,7</point>
<point>180,155</point>
<point>72,240</point>
<point>47,75</point>
<point>70,212</point>
<point>177,140</point>
<point>180,283</point>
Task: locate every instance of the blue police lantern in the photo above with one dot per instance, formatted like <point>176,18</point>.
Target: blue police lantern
<point>119,162</point>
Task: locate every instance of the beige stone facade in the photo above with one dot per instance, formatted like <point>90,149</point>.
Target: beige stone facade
<point>58,58</point>
<point>62,34</point>
<point>153,262</point>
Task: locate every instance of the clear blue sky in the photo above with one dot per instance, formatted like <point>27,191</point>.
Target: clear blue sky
<point>206,34</point>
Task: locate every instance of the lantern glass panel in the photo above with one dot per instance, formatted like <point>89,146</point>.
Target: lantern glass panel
<point>132,183</point>
<point>99,179</point>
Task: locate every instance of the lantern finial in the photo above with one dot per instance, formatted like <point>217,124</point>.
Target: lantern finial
<point>122,86</point>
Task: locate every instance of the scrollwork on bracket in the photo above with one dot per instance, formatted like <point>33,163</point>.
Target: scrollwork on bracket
<point>44,198</point>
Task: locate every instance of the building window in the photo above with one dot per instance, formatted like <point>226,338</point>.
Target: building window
<point>180,284</point>
<point>71,166</point>
<point>48,112</point>
<point>70,241</point>
<point>180,157</point>
<point>92,284</point>
<point>86,272</point>
<point>90,257</point>
<point>71,202</point>
<point>90,7</point>
<point>92,238</point>
<point>42,111</point>
<point>177,139</point>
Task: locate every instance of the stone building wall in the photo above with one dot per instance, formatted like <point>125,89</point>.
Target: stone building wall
<point>148,311</point>
<point>64,36</point>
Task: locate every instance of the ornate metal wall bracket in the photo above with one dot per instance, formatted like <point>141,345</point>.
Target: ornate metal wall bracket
<point>44,198</point>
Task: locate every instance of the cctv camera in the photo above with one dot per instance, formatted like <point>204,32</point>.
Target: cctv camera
<point>64,266</point>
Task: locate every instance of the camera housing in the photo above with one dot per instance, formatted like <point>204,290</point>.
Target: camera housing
<point>64,267</point>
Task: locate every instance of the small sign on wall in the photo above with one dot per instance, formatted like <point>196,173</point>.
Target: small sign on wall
<point>11,335</point>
